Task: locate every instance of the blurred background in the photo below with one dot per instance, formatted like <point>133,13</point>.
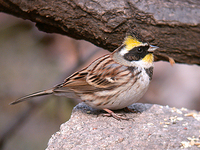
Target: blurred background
<point>31,60</point>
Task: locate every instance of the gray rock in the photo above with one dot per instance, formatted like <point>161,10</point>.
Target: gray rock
<point>155,127</point>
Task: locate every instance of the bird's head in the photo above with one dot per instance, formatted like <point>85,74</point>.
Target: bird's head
<point>133,51</point>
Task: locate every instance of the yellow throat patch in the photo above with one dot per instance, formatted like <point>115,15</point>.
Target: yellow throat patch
<point>148,58</point>
<point>131,42</point>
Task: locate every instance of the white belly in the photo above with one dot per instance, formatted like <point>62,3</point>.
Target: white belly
<point>132,94</point>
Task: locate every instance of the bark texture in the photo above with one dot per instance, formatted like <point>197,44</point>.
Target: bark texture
<point>174,26</point>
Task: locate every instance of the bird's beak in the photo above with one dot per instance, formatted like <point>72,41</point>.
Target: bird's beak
<point>152,48</point>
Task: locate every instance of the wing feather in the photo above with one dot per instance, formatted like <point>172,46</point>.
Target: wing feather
<point>105,74</point>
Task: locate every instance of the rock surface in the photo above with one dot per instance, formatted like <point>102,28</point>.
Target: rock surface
<point>155,127</point>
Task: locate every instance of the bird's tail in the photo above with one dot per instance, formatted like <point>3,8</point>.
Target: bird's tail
<point>40,93</point>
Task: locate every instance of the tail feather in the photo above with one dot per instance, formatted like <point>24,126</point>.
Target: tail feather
<point>40,93</point>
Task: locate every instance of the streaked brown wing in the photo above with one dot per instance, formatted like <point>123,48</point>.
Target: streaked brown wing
<point>109,76</point>
<point>76,83</point>
<point>102,74</point>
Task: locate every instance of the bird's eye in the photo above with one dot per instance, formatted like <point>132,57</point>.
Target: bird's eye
<point>140,50</point>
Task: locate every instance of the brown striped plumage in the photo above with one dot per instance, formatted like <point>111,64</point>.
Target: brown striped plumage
<point>102,75</point>
<point>113,81</point>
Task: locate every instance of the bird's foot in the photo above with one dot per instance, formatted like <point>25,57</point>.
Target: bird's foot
<point>114,115</point>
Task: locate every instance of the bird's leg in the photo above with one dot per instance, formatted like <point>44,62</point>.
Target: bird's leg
<point>114,115</point>
<point>131,110</point>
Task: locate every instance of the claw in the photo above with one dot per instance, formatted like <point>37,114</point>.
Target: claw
<point>114,115</point>
<point>131,110</point>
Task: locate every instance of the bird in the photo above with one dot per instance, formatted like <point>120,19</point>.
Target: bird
<point>111,82</point>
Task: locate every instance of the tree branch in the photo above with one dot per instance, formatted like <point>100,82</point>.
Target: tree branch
<point>174,27</point>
